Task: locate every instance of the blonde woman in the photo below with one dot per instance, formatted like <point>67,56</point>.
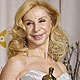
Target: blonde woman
<point>38,43</point>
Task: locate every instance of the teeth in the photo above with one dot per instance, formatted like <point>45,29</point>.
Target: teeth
<point>37,37</point>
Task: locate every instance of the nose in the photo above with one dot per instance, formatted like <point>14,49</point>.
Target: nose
<point>36,27</point>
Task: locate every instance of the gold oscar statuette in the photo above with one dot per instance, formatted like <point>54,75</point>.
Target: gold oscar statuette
<point>49,76</point>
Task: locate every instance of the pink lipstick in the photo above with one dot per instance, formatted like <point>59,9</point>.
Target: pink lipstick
<point>37,37</point>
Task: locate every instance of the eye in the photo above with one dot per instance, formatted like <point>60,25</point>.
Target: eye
<point>29,23</point>
<point>42,21</point>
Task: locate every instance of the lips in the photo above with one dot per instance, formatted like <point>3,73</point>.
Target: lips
<point>38,37</point>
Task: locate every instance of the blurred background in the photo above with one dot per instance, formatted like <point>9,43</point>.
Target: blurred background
<point>70,22</point>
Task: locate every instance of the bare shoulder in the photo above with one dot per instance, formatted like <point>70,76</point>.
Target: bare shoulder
<point>17,60</point>
<point>14,63</point>
<point>62,66</point>
<point>12,68</point>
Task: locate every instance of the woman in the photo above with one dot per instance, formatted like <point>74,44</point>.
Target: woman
<point>38,42</point>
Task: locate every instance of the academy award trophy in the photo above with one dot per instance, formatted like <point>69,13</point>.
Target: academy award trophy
<point>49,76</point>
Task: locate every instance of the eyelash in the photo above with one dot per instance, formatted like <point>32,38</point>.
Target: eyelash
<point>42,21</point>
<point>29,23</point>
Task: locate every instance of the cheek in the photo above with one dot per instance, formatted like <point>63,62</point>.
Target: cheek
<point>48,26</point>
<point>27,31</point>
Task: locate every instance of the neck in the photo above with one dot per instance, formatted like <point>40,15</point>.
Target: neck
<point>39,50</point>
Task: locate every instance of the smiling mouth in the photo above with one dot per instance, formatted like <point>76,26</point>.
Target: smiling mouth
<point>38,37</point>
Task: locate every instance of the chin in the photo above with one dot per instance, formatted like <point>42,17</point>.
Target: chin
<point>38,43</point>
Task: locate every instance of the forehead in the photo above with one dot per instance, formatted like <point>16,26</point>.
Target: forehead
<point>37,12</point>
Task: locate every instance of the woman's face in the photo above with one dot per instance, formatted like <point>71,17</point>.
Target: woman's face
<point>38,24</point>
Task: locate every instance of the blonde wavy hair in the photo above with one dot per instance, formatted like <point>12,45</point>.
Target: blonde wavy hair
<point>58,41</point>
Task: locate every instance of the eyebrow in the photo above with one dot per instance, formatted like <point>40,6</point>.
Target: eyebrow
<point>28,20</point>
<point>38,19</point>
<point>42,17</point>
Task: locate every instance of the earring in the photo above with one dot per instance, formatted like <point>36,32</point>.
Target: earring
<point>25,42</point>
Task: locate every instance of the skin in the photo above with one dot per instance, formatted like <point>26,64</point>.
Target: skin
<point>38,26</point>
<point>37,22</point>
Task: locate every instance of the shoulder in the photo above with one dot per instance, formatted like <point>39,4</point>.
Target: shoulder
<point>62,66</point>
<point>12,68</point>
<point>17,60</point>
<point>13,64</point>
<point>14,61</point>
